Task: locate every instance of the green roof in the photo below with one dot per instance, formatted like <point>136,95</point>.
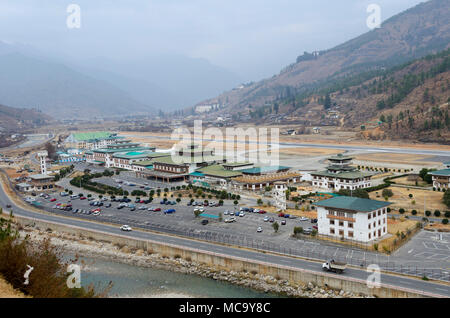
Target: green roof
<point>237,164</point>
<point>138,154</point>
<point>443,172</point>
<point>219,171</point>
<point>92,135</point>
<point>265,169</point>
<point>353,204</point>
<point>104,150</point>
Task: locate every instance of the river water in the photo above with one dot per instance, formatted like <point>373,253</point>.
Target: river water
<point>140,282</point>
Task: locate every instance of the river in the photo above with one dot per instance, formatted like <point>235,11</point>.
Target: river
<point>139,282</point>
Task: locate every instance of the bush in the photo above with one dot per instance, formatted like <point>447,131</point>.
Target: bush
<point>437,213</point>
<point>447,214</point>
<point>387,193</point>
<point>413,212</point>
<point>445,221</point>
<point>427,213</point>
<point>401,211</point>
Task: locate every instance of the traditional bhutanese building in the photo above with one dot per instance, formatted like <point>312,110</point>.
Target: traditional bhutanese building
<point>352,218</point>
<point>441,179</point>
<point>91,140</point>
<point>341,175</point>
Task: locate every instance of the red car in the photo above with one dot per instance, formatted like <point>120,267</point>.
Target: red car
<point>262,212</point>
<point>157,210</point>
<point>83,198</point>
<point>53,200</point>
<point>315,227</point>
<point>281,215</point>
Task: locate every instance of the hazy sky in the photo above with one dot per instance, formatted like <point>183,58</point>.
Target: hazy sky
<point>253,38</point>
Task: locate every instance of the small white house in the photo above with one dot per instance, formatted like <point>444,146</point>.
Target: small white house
<point>352,218</point>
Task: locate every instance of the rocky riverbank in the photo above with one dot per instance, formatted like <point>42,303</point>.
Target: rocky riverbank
<point>86,247</point>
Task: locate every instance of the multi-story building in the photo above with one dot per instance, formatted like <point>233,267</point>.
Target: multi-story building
<point>441,179</point>
<point>341,175</point>
<point>352,218</point>
<point>106,155</point>
<point>91,140</point>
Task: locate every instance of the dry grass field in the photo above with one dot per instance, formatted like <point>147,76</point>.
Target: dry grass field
<point>401,199</point>
<point>7,291</point>
<point>395,158</point>
<point>400,225</point>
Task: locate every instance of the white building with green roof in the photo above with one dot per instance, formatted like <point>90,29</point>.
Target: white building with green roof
<point>352,218</point>
<point>441,179</point>
<point>91,140</point>
<point>341,175</point>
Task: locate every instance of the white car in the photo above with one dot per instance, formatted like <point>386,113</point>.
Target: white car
<point>256,210</point>
<point>266,219</point>
<point>242,214</point>
<point>226,212</point>
<point>230,220</point>
<point>259,229</point>
<point>126,228</point>
<point>142,207</point>
<point>303,218</point>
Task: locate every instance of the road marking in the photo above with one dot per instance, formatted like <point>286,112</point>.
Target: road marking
<point>410,251</point>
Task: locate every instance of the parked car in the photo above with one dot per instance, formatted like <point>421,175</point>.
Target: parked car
<point>304,218</point>
<point>281,215</point>
<point>126,228</point>
<point>271,220</point>
<point>157,210</point>
<point>230,220</point>
<point>313,220</point>
<point>226,212</point>
<point>259,229</point>
<point>52,200</point>
<point>315,227</point>
<point>283,222</point>
<point>266,219</point>
<point>307,231</point>
<point>83,198</point>
<point>169,211</point>
<point>262,212</point>
<point>204,222</point>
<point>241,214</point>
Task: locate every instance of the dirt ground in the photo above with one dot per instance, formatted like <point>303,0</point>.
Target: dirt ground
<point>406,159</point>
<point>405,181</point>
<point>309,151</point>
<point>401,199</point>
<point>396,226</point>
<point>6,290</point>
<point>335,137</point>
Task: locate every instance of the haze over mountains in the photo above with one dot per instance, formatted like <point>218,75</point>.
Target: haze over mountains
<point>411,34</point>
<point>67,88</point>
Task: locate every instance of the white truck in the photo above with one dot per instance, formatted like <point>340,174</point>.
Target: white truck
<point>332,266</point>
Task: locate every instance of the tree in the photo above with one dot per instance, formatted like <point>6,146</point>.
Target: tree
<point>387,193</point>
<point>327,102</point>
<point>446,198</point>
<point>298,230</point>
<point>259,202</point>
<point>275,226</point>
<point>358,193</point>
<point>197,213</point>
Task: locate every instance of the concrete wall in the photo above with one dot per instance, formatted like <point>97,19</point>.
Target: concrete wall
<point>226,262</point>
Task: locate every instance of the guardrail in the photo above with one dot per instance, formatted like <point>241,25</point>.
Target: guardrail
<point>264,246</point>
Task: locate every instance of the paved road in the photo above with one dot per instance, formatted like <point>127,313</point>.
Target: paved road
<point>404,282</point>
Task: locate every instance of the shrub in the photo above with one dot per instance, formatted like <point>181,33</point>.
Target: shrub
<point>427,213</point>
<point>447,214</point>
<point>401,211</point>
<point>437,213</point>
<point>445,221</point>
<point>413,212</point>
<point>387,193</point>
